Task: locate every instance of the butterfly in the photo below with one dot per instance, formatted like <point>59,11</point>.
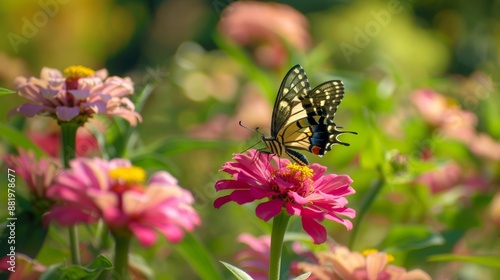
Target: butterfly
<point>303,118</point>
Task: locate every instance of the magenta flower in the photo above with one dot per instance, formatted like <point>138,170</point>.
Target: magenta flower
<point>77,96</point>
<point>301,190</point>
<point>38,174</point>
<point>94,189</point>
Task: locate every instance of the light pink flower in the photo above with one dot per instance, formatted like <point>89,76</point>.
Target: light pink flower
<point>444,114</point>
<point>38,174</point>
<point>265,27</point>
<point>76,97</point>
<point>340,263</point>
<point>451,175</point>
<point>113,191</point>
<point>443,178</point>
<point>301,190</point>
<point>254,259</point>
<point>485,146</point>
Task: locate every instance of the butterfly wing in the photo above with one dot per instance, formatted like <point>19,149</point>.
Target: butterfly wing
<point>287,102</point>
<point>312,128</point>
<point>303,118</point>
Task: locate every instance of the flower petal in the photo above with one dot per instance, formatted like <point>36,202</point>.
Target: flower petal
<point>145,235</point>
<point>315,230</point>
<point>27,110</point>
<point>267,210</point>
<point>163,177</point>
<point>67,113</point>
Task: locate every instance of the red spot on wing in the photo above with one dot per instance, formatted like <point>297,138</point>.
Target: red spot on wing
<point>315,150</point>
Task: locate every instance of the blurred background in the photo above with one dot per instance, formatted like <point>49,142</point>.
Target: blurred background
<point>422,90</point>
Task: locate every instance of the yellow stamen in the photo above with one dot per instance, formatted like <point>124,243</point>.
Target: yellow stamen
<point>78,71</point>
<point>129,175</point>
<point>369,252</point>
<point>302,171</point>
<point>390,258</point>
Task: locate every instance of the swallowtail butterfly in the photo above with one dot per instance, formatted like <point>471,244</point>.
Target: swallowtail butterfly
<point>303,118</point>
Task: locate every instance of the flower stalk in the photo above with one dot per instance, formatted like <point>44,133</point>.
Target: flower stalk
<point>122,245</point>
<point>68,140</point>
<point>280,223</point>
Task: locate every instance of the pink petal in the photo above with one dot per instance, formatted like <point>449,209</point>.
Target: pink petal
<point>298,199</point>
<point>172,233</point>
<point>231,185</point>
<point>267,210</point>
<point>146,236</point>
<point>222,200</point>
<point>242,196</point>
<point>67,113</point>
<point>79,94</point>
<point>27,110</point>
<point>315,230</point>
<point>375,264</point>
<point>163,177</point>
<point>98,107</point>
<point>50,73</point>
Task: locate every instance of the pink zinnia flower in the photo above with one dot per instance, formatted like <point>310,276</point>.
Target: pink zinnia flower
<point>38,174</point>
<point>254,259</point>
<point>340,263</point>
<point>444,114</point>
<point>265,27</point>
<point>76,97</point>
<point>303,191</point>
<point>95,189</point>
<point>443,178</point>
<point>486,147</point>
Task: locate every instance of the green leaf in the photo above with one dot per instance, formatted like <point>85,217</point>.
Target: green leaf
<point>197,255</point>
<point>303,276</point>
<point>411,237</point>
<point>100,265</point>
<point>18,139</point>
<point>491,261</point>
<point>373,154</point>
<point>240,274</point>
<point>5,91</point>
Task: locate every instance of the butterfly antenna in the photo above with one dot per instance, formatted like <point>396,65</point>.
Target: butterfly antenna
<point>254,130</point>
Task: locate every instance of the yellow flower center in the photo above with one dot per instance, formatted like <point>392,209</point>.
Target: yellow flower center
<point>78,71</point>
<point>298,171</point>
<point>128,175</point>
<point>369,252</point>
<point>390,258</point>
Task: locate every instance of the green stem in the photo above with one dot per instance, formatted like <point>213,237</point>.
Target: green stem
<point>68,140</point>
<point>280,223</point>
<point>365,205</point>
<point>122,244</point>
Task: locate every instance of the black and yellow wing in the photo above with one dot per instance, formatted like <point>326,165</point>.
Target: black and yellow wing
<point>303,118</point>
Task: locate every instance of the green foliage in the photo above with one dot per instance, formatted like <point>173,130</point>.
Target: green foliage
<point>94,270</point>
<point>237,272</point>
